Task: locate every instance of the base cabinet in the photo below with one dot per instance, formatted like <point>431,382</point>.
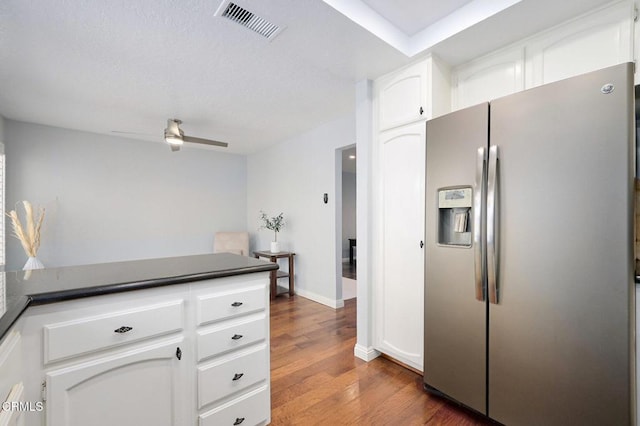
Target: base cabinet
<point>132,388</point>
<point>11,386</point>
<point>169,356</point>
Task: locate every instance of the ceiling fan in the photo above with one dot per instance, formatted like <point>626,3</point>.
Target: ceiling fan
<point>175,137</point>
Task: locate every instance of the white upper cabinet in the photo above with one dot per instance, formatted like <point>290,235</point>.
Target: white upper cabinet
<point>417,92</point>
<point>489,78</point>
<point>402,97</point>
<point>599,39</point>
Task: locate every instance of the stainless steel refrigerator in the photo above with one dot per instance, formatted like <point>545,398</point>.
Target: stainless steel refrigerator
<point>529,293</point>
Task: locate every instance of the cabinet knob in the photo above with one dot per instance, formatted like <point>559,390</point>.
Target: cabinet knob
<point>237,336</point>
<point>421,244</point>
<point>179,353</point>
<point>238,421</point>
<point>421,111</point>
<point>236,304</point>
<point>123,329</point>
<point>237,376</point>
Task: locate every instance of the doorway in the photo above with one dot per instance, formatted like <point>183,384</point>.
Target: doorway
<point>348,242</point>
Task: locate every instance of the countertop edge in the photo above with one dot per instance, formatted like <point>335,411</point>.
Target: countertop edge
<point>60,296</point>
<point>18,307</point>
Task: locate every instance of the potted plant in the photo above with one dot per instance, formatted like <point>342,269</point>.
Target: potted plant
<point>274,224</point>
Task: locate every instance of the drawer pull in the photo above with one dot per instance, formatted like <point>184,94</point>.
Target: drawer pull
<point>179,353</point>
<point>238,421</point>
<point>237,336</point>
<point>237,376</point>
<point>236,304</point>
<point>123,329</point>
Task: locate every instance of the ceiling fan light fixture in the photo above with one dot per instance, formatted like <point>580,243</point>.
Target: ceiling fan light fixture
<point>173,134</point>
<point>173,139</point>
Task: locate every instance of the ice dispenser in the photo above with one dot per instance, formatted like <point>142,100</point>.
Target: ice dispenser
<point>454,216</point>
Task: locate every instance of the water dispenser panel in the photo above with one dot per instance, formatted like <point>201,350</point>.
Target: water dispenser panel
<point>454,216</point>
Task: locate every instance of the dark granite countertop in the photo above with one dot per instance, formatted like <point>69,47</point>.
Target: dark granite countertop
<point>21,289</point>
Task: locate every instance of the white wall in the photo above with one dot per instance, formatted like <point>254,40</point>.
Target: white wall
<point>292,177</point>
<point>110,199</point>
<point>348,211</point>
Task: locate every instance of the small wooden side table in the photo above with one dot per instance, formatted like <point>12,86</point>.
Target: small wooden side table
<point>273,257</point>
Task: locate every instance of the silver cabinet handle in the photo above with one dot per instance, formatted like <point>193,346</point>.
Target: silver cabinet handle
<point>492,225</point>
<point>478,228</point>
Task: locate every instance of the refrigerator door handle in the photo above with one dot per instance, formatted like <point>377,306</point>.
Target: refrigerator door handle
<point>492,225</point>
<point>478,234</point>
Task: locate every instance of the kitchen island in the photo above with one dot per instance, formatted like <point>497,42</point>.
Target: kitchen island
<point>171,341</point>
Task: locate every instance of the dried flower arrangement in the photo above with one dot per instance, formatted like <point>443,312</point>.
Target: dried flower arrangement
<point>29,234</point>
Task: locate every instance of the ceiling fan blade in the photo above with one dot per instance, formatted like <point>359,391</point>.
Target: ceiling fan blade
<point>204,141</point>
<point>132,133</point>
<point>174,148</point>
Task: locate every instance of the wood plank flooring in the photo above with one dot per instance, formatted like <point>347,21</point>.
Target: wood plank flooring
<point>349,270</point>
<point>316,379</point>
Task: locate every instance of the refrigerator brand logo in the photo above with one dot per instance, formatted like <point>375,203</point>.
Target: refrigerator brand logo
<point>607,88</point>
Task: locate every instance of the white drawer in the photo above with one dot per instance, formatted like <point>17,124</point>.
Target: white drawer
<point>231,375</point>
<point>249,410</point>
<point>218,340</point>
<point>71,338</point>
<point>218,306</point>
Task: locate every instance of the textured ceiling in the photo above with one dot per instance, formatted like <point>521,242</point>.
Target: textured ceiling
<point>127,66</point>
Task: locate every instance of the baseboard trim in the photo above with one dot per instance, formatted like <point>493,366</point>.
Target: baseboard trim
<point>365,353</point>
<point>335,304</point>
<point>402,364</point>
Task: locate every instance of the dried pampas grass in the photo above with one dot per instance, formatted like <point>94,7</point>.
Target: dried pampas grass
<point>29,235</point>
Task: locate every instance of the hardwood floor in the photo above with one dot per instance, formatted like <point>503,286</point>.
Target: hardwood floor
<point>349,270</point>
<point>316,379</point>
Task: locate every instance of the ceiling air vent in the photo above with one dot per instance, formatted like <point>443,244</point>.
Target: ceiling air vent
<point>248,19</point>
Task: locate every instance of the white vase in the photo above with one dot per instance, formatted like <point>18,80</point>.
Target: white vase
<point>275,247</point>
<point>33,263</point>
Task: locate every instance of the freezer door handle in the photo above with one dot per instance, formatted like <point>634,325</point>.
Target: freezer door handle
<point>492,225</point>
<point>478,231</point>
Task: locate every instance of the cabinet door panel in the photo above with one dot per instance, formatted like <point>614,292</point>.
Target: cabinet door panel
<point>597,41</point>
<point>14,416</point>
<point>401,97</point>
<point>399,294</point>
<point>488,78</point>
<point>132,388</point>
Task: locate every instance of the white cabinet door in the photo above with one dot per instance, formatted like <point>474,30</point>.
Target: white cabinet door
<point>599,40</point>
<point>400,282</point>
<point>489,78</point>
<point>12,412</point>
<point>138,387</point>
<point>402,97</point>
